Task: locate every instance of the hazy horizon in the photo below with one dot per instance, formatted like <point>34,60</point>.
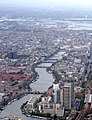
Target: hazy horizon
<point>47,3</point>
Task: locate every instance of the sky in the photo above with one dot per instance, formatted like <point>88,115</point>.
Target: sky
<point>47,3</point>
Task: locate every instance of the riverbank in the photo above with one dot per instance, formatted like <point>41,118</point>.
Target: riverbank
<point>32,113</point>
<point>19,88</point>
<point>41,84</point>
<point>29,113</point>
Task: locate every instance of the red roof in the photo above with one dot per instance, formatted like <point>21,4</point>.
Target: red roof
<point>14,76</point>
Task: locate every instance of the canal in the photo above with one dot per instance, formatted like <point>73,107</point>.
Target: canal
<point>43,82</point>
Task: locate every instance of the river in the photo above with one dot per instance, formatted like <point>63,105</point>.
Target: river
<point>43,82</point>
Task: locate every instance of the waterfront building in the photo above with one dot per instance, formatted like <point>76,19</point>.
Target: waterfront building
<point>58,94</point>
<point>47,106</point>
<point>68,95</point>
<point>55,88</point>
<point>31,104</point>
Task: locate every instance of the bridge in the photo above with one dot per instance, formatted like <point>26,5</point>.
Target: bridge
<point>46,61</point>
<point>41,66</point>
<point>36,92</point>
<point>50,61</point>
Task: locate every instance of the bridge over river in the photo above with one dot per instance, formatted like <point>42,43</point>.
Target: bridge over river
<point>36,92</point>
<point>43,82</point>
<point>49,62</point>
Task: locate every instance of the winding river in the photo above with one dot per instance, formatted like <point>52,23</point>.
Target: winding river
<point>43,82</point>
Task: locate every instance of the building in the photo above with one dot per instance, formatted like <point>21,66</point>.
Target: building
<point>31,104</point>
<point>12,55</point>
<point>58,94</point>
<point>47,106</point>
<point>68,95</point>
<point>88,98</point>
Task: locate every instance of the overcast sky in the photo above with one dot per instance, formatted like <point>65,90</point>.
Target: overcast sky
<point>45,3</point>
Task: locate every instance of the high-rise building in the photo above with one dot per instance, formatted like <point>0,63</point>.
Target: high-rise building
<point>58,94</point>
<point>68,95</point>
<point>12,55</point>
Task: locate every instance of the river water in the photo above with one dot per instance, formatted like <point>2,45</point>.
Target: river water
<point>43,82</point>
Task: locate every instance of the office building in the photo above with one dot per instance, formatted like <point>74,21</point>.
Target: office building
<point>68,95</point>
